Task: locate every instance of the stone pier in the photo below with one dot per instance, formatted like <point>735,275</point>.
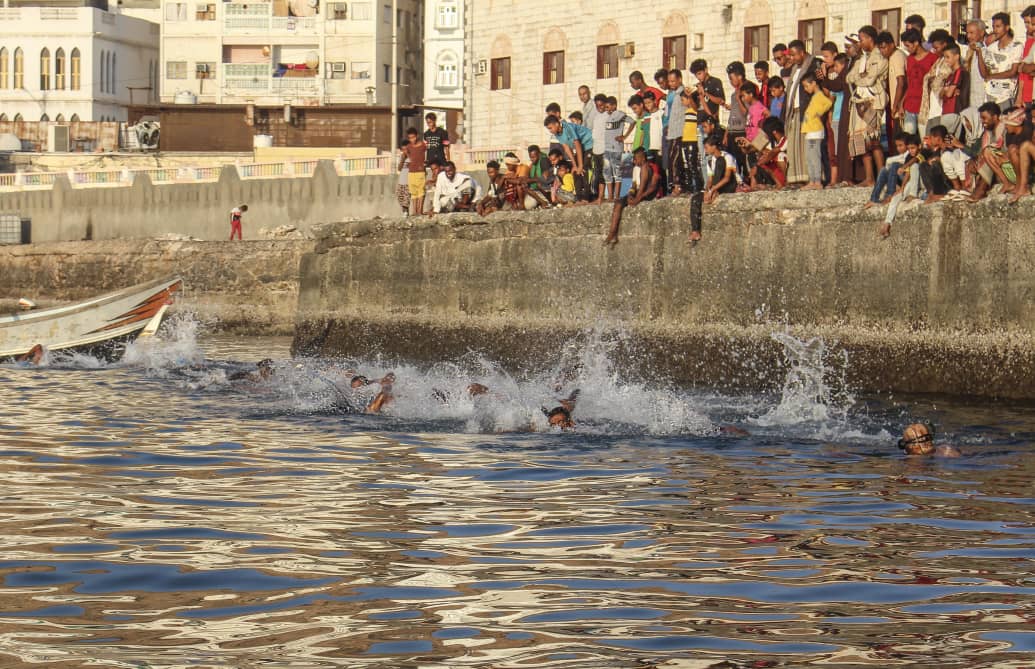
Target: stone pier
<point>943,306</point>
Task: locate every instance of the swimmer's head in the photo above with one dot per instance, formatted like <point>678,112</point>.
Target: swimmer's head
<point>476,389</point>
<point>559,417</point>
<point>917,440</point>
<point>266,368</point>
<point>359,381</point>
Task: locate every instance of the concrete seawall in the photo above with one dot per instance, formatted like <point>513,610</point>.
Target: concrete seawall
<point>945,305</point>
<point>202,210</point>
<point>244,287</point>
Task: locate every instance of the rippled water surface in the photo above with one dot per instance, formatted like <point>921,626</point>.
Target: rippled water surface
<point>156,515</point>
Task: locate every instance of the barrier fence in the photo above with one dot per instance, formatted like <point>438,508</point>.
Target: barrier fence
<point>383,164</point>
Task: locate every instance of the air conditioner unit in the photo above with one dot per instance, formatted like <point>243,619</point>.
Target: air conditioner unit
<point>337,67</point>
<point>203,67</point>
<point>483,66</point>
<point>628,49</point>
<point>339,10</point>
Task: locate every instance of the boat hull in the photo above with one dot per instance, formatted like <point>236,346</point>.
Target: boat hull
<point>100,326</point>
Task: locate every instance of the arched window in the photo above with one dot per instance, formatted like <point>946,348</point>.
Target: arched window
<point>60,118</point>
<point>59,70</point>
<point>3,117</point>
<point>17,118</point>
<point>447,70</point>
<point>19,68</point>
<point>111,75</point>
<point>75,118</point>
<point>104,71</point>
<point>45,69</point>
<point>44,118</point>
<point>76,69</point>
<point>3,67</point>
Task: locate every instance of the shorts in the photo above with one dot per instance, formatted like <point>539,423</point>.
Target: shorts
<point>566,196</point>
<point>612,167</point>
<point>417,183</point>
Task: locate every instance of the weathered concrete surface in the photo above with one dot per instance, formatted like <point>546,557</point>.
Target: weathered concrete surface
<point>945,305</point>
<point>245,287</point>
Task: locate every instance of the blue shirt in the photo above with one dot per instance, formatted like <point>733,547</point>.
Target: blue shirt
<point>669,101</point>
<point>571,132</point>
<point>776,106</point>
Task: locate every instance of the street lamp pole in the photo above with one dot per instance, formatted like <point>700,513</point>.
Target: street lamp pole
<point>395,76</point>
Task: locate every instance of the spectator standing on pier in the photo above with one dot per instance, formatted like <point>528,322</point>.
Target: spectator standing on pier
<point>918,63</point>
<point>437,140</point>
<point>1000,62</point>
<point>235,221</point>
<point>794,111</point>
<point>416,152</point>
<point>977,38</point>
<point>869,104</point>
<point>1026,68</point>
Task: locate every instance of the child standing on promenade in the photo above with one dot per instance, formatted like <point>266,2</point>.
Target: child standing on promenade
<point>812,128</point>
<point>235,221</point>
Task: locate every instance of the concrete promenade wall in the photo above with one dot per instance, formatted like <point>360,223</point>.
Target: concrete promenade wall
<point>244,287</point>
<point>146,211</point>
<point>945,305</point>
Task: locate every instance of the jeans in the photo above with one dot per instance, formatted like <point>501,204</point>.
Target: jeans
<point>910,123</point>
<point>612,167</point>
<point>887,183</point>
<point>814,160</point>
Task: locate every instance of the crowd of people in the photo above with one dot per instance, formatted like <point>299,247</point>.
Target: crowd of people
<point>933,116</point>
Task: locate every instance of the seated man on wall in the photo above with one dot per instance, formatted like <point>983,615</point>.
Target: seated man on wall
<point>644,189</point>
<point>493,199</point>
<point>454,191</point>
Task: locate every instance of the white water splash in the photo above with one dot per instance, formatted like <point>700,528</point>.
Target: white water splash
<point>175,346</point>
<point>814,388</point>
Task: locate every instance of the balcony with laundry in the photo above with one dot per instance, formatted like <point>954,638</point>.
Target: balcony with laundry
<point>290,17</point>
<point>284,71</point>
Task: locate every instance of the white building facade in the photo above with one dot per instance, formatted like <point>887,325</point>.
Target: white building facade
<point>67,63</point>
<point>522,60</point>
<point>300,52</point>
<point>444,61</point>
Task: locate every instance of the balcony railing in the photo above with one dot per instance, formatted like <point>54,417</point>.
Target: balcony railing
<point>257,17</point>
<point>258,79</point>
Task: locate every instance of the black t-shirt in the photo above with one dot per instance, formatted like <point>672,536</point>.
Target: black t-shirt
<point>713,86</point>
<point>437,140</point>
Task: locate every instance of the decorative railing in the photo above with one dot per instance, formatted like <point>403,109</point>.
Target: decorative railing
<point>383,164</point>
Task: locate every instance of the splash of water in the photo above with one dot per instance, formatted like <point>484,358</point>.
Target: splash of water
<point>175,346</point>
<point>814,389</point>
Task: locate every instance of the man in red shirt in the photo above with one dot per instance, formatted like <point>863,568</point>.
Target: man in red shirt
<point>918,63</point>
<point>641,87</point>
<point>1026,69</point>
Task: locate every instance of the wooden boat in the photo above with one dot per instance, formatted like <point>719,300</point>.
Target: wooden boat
<point>101,326</point>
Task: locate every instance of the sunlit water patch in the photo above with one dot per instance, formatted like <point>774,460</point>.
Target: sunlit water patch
<point>158,513</point>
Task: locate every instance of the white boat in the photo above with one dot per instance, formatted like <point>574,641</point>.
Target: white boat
<point>100,326</point>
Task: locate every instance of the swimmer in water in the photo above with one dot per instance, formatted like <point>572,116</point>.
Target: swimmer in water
<point>263,372</point>
<point>561,415</point>
<point>33,357</point>
<point>384,397</point>
<point>917,439</point>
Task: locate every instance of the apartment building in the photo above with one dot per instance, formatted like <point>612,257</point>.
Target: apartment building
<point>300,52</point>
<point>74,61</point>
<point>445,62</point>
<point>522,60</point>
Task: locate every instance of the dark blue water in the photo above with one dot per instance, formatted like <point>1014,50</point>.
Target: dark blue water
<point>155,515</point>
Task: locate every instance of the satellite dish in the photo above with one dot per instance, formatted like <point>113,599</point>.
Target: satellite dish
<point>312,60</point>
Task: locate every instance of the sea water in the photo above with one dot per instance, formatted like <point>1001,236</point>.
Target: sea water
<point>156,513</point>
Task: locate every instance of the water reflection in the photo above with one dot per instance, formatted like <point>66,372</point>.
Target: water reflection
<point>151,520</point>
